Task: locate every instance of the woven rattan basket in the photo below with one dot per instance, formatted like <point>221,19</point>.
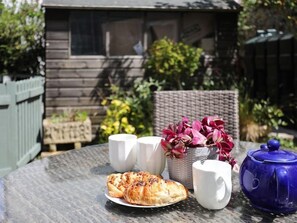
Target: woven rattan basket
<point>181,169</point>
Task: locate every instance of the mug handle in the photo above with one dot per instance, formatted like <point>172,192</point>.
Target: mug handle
<point>282,185</point>
<point>227,190</point>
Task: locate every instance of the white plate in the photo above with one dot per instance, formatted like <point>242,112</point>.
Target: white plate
<point>123,202</point>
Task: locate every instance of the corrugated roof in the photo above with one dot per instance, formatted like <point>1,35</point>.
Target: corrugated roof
<point>229,5</point>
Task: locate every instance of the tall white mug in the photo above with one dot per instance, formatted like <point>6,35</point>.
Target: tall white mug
<point>150,155</point>
<point>122,151</point>
<point>212,183</point>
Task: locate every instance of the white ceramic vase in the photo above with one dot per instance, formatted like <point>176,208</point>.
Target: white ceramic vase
<point>122,151</point>
<point>150,155</point>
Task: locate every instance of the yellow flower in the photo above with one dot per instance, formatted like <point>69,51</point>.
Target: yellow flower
<point>129,129</point>
<point>104,102</point>
<point>116,124</point>
<point>116,102</point>
<point>124,120</point>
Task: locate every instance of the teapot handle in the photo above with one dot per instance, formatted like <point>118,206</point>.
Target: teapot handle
<point>282,185</point>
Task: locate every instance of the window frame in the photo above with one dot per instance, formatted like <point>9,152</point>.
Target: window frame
<point>71,56</point>
<point>107,41</point>
<point>144,16</point>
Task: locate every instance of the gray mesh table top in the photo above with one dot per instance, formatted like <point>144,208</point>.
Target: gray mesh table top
<point>71,187</point>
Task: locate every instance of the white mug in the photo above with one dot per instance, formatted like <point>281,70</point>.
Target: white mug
<point>122,151</point>
<point>212,183</point>
<point>150,155</point>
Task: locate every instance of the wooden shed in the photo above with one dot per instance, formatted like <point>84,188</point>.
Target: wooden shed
<point>92,43</point>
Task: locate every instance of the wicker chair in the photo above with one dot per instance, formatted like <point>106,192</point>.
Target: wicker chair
<point>169,106</point>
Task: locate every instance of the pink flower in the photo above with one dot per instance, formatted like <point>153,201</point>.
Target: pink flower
<point>180,137</point>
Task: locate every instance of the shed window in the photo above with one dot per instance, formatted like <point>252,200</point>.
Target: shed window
<point>118,33</point>
<point>160,25</point>
<point>198,30</point>
<point>125,34</point>
<point>87,36</point>
<point>92,32</point>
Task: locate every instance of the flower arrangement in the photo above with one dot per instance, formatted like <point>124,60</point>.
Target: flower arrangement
<point>210,132</point>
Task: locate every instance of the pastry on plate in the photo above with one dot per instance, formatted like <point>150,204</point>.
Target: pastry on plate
<point>155,191</point>
<point>118,182</point>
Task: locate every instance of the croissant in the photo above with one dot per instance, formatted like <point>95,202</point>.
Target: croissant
<point>117,183</point>
<point>155,191</point>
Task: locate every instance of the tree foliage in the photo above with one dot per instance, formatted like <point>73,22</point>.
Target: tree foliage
<point>21,38</point>
<point>267,14</point>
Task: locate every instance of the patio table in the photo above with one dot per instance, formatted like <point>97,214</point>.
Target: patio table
<point>70,188</point>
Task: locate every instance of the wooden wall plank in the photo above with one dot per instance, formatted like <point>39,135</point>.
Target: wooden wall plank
<point>70,92</point>
<point>90,82</point>
<point>57,35</point>
<point>96,109</point>
<point>96,63</point>
<point>62,102</point>
<point>57,54</point>
<point>94,73</point>
<point>57,44</point>
<point>59,25</point>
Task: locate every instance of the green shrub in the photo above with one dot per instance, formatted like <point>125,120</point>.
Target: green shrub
<point>219,81</point>
<point>257,118</point>
<point>129,111</point>
<point>176,63</point>
<point>267,114</point>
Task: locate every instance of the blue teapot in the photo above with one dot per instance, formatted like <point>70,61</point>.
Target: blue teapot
<point>268,178</point>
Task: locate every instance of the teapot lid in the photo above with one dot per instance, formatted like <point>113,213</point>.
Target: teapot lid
<point>272,153</point>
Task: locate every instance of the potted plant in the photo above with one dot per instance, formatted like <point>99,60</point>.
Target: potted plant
<point>185,142</point>
<point>69,127</point>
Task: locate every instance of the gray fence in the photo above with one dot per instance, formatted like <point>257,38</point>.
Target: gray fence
<point>21,110</point>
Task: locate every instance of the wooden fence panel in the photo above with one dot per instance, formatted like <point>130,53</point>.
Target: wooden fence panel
<point>21,110</point>
<point>6,158</point>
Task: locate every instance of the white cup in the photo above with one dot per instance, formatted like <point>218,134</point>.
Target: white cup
<point>150,155</point>
<point>212,183</point>
<point>122,151</point>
